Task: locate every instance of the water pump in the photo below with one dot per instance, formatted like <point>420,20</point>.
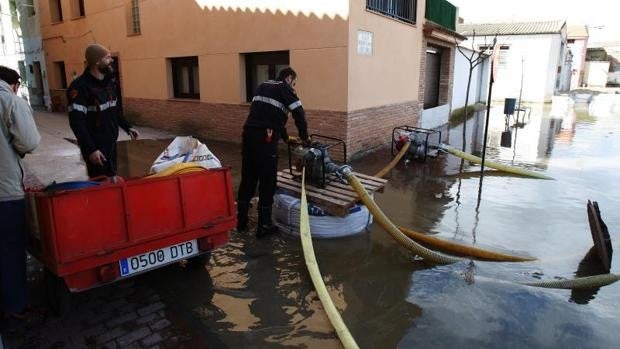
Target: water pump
<point>422,141</point>
<point>320,167</point>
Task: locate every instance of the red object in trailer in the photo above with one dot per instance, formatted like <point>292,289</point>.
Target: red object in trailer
<point>96,235</point>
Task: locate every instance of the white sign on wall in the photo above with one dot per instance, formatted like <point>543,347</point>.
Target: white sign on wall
<point>364,43</point>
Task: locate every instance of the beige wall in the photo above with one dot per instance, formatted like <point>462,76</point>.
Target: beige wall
<point>174,28</point>
<point>392,73</point>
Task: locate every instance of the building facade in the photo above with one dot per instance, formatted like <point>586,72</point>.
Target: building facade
<point>479,85</point>
<point>191,66</point>
<point>11,43</point>
<point>534,61</point>
<point>21,48</point>
<point>578,44</point>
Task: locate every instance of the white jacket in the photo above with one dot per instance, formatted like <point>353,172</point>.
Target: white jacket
<point>19,135</point>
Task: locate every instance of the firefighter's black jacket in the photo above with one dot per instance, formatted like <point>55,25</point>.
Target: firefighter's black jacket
<point>270,107</point>
<point>94,114</point>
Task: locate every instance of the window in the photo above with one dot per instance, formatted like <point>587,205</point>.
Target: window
<point>61,74</point>
<point>28,8</point>
<point>502,59</point>
<point>185,77</point>
<point>263,66</point>
<point>77,8</point>
<point>56,11</point>
<point>405,10</point>
<point>21,66</point>
<point>132,17</point>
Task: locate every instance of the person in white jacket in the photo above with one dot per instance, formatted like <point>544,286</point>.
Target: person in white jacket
<point>19,136</point>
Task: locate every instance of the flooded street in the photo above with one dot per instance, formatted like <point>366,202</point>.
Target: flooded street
<point>258,293</point>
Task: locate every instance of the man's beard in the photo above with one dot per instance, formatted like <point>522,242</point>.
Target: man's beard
<point>105,69</point>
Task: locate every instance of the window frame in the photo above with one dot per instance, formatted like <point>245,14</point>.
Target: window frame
<point>177,63</point>
<point>60,70</point>
<point>270,58</point>
<point>58,5</point>
<point>389,8</point>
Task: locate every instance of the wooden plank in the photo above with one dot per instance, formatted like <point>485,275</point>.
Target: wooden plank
<point>312,189</point>
<point>319,196</point>
<point>346,191</point>
<point>339,186</point>
<point>600,234</point>
<point>370,185</point>
<point>346,196</point>
<point>372,178</point>
<point>337,197</point>
<point>333,206</point>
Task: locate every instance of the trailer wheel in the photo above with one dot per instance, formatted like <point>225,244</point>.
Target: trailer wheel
<point>57,294</point>
<point>200,261</point>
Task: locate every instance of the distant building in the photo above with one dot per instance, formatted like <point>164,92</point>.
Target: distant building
<point>34,57</point>
<point>21,48</point>
<point>603,65</point>
<point>532,54</point>
<point>578,44</point>
<point>479,85</point>
<point>11,45</point>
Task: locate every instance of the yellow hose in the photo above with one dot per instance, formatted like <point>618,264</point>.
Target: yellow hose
<point>394,161</point>
<point>315,274</point>
<point>491,164</point>
<point>184,167</point>
<point>463,250</point>
<point>577,283</point>
<point>392,229</point>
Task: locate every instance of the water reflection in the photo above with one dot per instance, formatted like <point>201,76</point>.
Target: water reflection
<point>258,293</point>
<point>588,266</point>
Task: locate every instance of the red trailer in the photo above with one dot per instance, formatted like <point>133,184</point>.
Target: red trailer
<point>93,236</point>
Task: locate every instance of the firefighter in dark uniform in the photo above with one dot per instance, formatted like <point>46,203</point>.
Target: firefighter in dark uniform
<point>94,113</point>
<point>265,125</point>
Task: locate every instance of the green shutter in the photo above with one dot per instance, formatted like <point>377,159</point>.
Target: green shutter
<point>441,12</point>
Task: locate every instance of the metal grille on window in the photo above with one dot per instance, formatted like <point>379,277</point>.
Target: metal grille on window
<point>404,10</point>
<point>135,17</point>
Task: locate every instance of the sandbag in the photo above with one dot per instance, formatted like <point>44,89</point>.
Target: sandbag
<point>185,149</point>
<point>322,225</point>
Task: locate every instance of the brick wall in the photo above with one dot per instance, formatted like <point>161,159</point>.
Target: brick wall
<point>362,130</point>
<point>207,120</point>
<point>447,69</point>
<point>422,86</point>
<point>372,127</point>
<point>218,121</point>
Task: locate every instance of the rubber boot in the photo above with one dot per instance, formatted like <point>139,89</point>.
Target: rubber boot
<point>242,216</point>
<point>265,225</point>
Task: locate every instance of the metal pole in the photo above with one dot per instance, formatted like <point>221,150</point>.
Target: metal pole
<point>486,128</point>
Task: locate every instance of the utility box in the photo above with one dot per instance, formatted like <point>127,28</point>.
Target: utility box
<point>509,106</point>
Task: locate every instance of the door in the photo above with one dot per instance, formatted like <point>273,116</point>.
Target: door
<point>116,77</point>
<point>431,86</point>
<point>37,94</point>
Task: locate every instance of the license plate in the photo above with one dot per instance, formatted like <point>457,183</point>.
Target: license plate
<point>152,259</point>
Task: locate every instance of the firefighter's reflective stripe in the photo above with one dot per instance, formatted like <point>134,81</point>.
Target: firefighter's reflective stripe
<point>294,105</point>
<point>77,107</point>
<point>85,109</point>
<point>271,101</point>
<point>104,106</point>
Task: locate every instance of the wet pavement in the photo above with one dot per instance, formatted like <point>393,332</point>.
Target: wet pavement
<point>257,293</point>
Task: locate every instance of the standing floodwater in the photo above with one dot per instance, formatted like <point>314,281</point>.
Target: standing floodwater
<point>258,293</point>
